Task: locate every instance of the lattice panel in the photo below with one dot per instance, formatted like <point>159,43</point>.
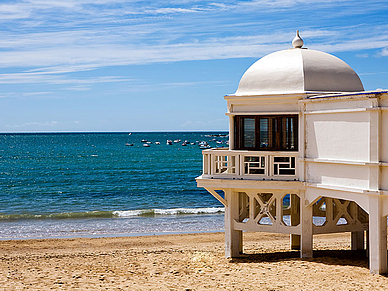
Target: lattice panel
<point>254,165</point>
<point>333,215</point>
<point>225,164</point>
<point>284,166</point>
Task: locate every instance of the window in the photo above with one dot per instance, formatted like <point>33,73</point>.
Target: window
<point>273,133</point>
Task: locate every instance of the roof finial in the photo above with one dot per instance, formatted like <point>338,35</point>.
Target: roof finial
<point>297,42</point>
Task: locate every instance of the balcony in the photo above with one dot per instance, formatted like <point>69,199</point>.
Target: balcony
<point>222,163</point>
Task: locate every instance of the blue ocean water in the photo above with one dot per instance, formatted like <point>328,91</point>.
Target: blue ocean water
<point>98,184</point>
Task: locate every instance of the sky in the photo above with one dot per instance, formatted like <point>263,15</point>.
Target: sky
<point>128,65</point>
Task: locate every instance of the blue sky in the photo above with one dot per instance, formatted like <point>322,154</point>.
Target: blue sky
<point>127,65</point>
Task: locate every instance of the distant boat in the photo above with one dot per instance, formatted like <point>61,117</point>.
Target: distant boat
<point>149,142</point>
<point>169,142</point>
<point>146,145</point>
<point>184,144</point>
<point>143,140</point>
<point>129,133</point>
<point>157,142</point>
<point>129,144</point>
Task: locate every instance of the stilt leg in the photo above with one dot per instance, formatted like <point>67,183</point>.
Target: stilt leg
<point>233,238</point>
<point>295,220</point>
<point>306,250</point>
<point>357,238</point>
<point>295,241</point>
<point>377,237</point>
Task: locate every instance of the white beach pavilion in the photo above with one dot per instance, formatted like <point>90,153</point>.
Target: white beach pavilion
<point>308,154</point>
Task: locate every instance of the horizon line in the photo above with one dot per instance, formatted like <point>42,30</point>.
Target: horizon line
<point>102,132</point>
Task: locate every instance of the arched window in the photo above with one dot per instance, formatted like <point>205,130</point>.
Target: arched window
<point>267,132</point>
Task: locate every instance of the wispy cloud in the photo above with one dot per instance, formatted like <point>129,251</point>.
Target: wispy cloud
<point>44,124</point>
<point>25,94</point>
<point>49,78</point>
<point>384,52</point>
<point>74,36</point>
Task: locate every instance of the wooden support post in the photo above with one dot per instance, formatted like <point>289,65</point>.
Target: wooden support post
<point>295,241</point>
<point>367,243</point>
<point>377,237</point>
<point>233,238</point>
<point>295,220</point>
<point>306,248</point>
<point>357,238</point>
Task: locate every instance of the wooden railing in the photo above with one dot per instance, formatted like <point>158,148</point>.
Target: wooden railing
<point>257,165</point>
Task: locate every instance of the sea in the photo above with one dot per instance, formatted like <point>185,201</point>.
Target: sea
<point>55,185</point>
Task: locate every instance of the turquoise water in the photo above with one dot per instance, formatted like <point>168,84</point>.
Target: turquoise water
<point>95,184</point>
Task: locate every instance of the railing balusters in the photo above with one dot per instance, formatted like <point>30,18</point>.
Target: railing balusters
<point>223,163</point>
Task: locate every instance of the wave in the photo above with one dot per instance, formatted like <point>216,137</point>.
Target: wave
<point>173,211</point>
<point>115,214</point>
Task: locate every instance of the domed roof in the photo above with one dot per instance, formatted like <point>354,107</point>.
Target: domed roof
<point>298,70</point>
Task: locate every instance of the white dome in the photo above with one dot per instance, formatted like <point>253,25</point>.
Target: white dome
<point>298,70</point>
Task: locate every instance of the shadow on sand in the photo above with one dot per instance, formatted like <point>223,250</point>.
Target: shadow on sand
<point>328,257</point>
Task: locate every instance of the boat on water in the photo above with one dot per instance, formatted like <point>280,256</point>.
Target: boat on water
<point>144,140</point>
<point>146,145</point>
<point>129,144</point>
<point>169,142</point>
<point>157,142</point>
<point>184,144</point>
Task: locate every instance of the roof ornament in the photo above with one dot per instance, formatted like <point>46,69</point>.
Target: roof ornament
<point>297,42</point>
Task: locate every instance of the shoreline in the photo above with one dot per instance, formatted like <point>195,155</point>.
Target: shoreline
<point>192,261</point>
<point>113,235</point>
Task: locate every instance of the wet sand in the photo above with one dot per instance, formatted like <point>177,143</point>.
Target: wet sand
<point>183,262</point>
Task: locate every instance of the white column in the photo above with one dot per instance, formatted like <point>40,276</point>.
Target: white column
<point>377,237</point>
<point>357,237</point>
<point>301,142</point>
<point>306,247</point>
<point>231,132</point>
<point>233,238</point>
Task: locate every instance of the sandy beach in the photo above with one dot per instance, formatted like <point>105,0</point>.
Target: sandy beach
<point>183,262</point>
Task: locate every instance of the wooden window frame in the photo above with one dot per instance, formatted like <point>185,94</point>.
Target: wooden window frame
<point>276,132</point>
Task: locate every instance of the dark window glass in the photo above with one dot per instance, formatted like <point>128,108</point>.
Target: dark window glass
<point>289,136</point>
<point>249,133</point>
<point>264,133</point>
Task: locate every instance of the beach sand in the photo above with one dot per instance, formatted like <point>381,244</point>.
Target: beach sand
<point>183,262</point>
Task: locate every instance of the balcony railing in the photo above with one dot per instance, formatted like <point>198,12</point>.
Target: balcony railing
<point>223,163</point>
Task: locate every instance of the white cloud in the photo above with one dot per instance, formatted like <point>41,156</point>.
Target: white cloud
<point>26,94</point>
<point>33,123</point>
<point>362,56</point>
<point>34,78</point>
<point>384,52</point>
<point>44,124</point>
<point>73,36</point>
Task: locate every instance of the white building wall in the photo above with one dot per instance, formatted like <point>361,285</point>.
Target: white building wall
<point>338,136</point>
<point>384,137</point>
<point>339,175</point>
<point>384,179</point>
<point>265,108</point>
